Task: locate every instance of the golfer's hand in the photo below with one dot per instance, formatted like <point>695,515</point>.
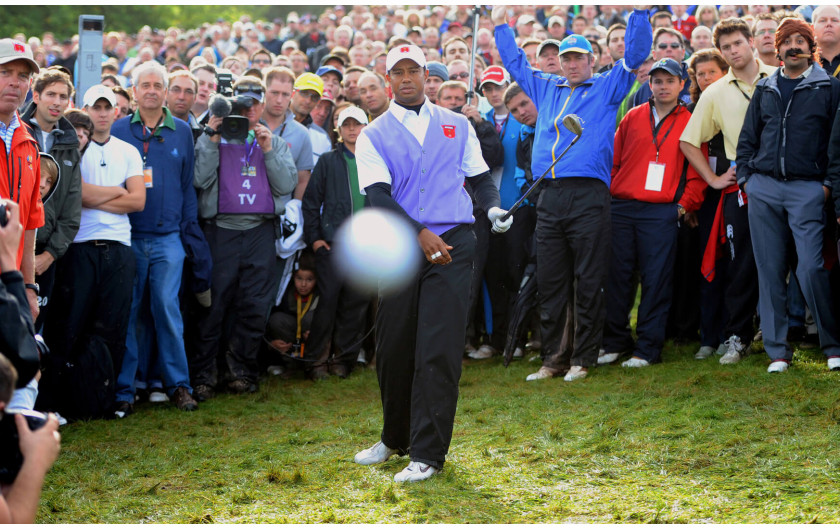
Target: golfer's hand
<point>495,215</point>
<point>433,245</point>
<point>499,15</point>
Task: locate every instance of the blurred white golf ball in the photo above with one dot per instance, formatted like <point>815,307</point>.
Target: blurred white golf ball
<point>377,251</point>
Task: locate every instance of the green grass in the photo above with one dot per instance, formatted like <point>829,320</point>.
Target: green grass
<point>681,442</point>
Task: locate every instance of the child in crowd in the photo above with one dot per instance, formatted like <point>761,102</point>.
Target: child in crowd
<point>289,323</point>
<point>83,124</point>
<point>49,175</point>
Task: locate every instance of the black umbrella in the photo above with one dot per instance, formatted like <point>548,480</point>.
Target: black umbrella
<point>523,305</point>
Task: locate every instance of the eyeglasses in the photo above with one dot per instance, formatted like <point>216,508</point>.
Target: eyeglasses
<point>311,94</point>
<point>261,61</point>
<point>673,45</point>
<point>462,75</point>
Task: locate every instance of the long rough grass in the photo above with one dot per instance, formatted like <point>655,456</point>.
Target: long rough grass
<point>680,442</point>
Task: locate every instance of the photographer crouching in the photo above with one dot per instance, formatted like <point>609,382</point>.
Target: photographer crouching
<point>244,175</point>
<point>37,448</point>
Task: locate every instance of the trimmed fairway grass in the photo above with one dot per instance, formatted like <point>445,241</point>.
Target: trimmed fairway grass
<point>680,442</point>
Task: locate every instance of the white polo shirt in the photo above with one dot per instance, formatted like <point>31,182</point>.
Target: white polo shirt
<point>108,165</point>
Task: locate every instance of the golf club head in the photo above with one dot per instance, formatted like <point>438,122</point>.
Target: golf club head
<point>573,123</point>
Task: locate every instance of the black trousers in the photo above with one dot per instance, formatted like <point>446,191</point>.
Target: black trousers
<point>475,317</point>
<point>338,321</point>
<point>91,297</point>
<point>420,333</point>
<point>506,261</point>
<point>243,277</point>
<point>573,245</point>
<point>741,290</point>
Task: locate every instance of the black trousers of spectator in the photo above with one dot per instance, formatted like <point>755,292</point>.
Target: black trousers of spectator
<point>45,282</point>
<point>91,297</point>
<point>645,235</point>
<point>713,314</point>
<point>506,261</point>
<point>573,244</point>
<point>741,290</point>
<point>475,318</point>
<point>420,333</point>
<point>684,316</point>
<point>243,268</point>
<point>338,321</point>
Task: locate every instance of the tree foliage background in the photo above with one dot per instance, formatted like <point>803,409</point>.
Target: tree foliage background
<point>63,20</point>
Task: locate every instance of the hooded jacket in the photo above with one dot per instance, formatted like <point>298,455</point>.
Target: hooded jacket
<point>63,211</point>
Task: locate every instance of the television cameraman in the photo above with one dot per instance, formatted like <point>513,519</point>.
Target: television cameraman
<point>19,500</point>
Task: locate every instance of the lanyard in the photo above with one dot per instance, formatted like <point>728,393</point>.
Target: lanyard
<point>655,129</point>
<point>300,314</point>
<point>146,139</point>
<point>836,71</point>
<point>741,90</point>
<point>249,152</point>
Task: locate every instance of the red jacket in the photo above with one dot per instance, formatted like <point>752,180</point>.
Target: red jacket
<point>22,169</point>
<point>635,150</point>
<point>685,26</point>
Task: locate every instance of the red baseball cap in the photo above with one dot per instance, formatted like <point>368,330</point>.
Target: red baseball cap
<point>496,75</point>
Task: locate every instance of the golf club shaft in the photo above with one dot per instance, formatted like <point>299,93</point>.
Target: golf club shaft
<point>471,86</point>
<point>536,183</point>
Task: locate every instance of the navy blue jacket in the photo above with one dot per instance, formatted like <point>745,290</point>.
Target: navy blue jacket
<point>171,201</point>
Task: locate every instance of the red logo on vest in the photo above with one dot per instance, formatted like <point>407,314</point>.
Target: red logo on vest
<point>449,131</point>
<point>20,48</point>
<point>404,49</point>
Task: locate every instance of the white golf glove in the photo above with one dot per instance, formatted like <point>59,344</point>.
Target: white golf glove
<point>495,215</point>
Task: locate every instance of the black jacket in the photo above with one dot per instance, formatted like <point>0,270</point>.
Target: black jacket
<point>491,145</point>
<point>63,212</point>
<point>17,334</point>
<point>329,186</point>
<point>789,142</point>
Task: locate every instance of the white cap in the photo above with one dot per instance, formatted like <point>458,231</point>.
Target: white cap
<point>404,51</point>
<point>97,92</point>
<point>352,112</point>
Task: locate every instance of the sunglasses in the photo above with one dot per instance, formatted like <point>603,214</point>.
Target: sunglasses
<point>245,89</point>
<point>673,45</point>
<point>462,75</point>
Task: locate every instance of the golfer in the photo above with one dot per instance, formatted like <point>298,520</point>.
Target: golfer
<point>413,160</point>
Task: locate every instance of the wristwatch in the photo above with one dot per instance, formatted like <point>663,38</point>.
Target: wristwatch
<point>34,286</point>
<point>680,209</point>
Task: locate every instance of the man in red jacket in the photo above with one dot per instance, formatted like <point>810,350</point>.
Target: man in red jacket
<point>652,188</point>
<point>20,169</point>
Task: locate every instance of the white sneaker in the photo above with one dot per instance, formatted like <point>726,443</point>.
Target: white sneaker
<point>518,353</point>
<point>361,358</point>
<point>704,353</point>
<point>375,455</point>
<point>275,370</point>
<point>575,373</point>
<point>469,348</point>
<point>635,362</point>
<point>533,345</point>
<point>543,373</point>
<point>484,352</point>
<point>777,367</point>
<point>834,363</point>
<point>734,350</point>
<point>608,358</point>
<point>415,472</point>
<point>721,350</point>
<point>158,396</point>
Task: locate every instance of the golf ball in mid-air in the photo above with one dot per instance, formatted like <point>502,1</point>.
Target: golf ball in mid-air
<point>377,251</point>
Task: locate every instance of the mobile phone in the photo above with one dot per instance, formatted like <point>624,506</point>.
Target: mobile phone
<point>3,216</point>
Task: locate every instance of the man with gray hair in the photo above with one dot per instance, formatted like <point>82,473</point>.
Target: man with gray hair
<point>372,91</point>
<point>826,20</point>
<point>165,144</point>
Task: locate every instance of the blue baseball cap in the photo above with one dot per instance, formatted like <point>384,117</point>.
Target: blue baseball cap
<point>329,69</point>
<point>668,66</point>
<point>575,43</point>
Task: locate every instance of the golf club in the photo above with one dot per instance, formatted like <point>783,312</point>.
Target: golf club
<point>574,124</point>
<point>471,86</point>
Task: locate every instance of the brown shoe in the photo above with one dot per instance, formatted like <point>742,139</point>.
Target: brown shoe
<point>241,386</point>
<point>339,370</point>
<point>204,392</point>
<point>183,400</point>
<point>319,373</point>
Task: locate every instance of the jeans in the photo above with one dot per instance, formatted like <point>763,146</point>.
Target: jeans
<point>159,264</point>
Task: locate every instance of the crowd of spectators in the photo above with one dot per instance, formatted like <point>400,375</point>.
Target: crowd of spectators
<point>187,263</point>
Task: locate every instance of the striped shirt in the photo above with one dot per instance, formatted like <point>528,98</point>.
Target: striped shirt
<point>6,133</point>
